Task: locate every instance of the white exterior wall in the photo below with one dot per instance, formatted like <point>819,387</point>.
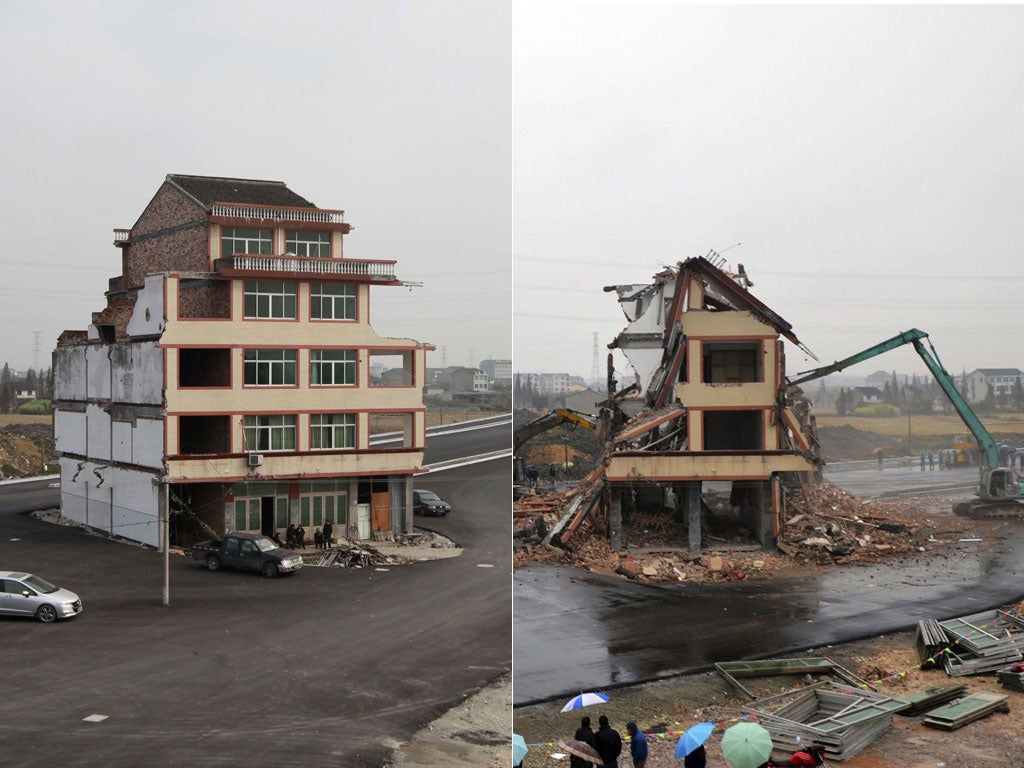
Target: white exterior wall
<point>97,373</point>
<point>69,431</point>
<point>121,502</point>
<point>148,318</point>
<point>69,373</point>
<point>138,373</point>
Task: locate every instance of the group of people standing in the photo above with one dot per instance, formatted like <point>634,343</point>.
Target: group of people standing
<point>295,536</point>
<point>608,744</point>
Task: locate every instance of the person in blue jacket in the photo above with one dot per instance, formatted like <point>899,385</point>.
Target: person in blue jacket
<point>637,745</point>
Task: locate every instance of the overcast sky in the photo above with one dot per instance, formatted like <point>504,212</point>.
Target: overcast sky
<point>868,158</point>
<point>400,113</point>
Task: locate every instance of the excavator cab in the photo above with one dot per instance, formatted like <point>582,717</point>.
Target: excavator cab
<point>999,484</point>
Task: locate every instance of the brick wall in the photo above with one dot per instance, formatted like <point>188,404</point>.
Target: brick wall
<point>204,299</point>
<point>182,250</point>
<point>117,313</point>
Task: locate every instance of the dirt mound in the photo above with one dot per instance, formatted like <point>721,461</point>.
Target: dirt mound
<point>848,443</point>
<point>25,450</point>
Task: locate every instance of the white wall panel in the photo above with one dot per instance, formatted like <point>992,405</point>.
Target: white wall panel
<point>69,373</point>
<point>138,373</point>
<point>148,443</point>
<point>121,439</point>
<point>98,425</point>
<point>98,372</point>
<point>69,432</point>
<point>148,317</point>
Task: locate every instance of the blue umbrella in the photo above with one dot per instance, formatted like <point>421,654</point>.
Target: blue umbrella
<point>585,700</point>
<point>694,737</point>
<point>519,749</point>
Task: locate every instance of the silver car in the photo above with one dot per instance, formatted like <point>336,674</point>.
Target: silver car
<point>22,594</point>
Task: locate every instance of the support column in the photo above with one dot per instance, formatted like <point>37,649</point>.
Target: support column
<point>615,517</point>
<point>693,514</point>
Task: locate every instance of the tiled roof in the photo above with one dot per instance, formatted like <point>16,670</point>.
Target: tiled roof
<point>213,189</point>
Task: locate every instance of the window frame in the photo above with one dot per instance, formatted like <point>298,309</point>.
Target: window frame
<point>262,242</point>
<point>317,368</point>
<point>260,430</point>
<point>296,240</point>
<point>270,365</point>
<point>259,292</point>
<point>348,429</point>
<point>347,301</point>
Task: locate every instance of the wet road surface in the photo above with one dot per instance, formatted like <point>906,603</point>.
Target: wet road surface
<point>612,632</point>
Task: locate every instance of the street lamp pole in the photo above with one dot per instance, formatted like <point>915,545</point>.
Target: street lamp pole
<point>166,536</point>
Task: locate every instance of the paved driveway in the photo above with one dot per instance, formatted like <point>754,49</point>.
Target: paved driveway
<point>326,667</point>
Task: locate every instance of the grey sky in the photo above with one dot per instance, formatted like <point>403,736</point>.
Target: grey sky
<point>867,158</point>
<point>397,112</point>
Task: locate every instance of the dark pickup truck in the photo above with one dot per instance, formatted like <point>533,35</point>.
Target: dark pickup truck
<point>248,552</point>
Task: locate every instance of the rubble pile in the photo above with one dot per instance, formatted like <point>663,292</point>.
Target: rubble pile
<point>24,450</point>
<point>825,526</point>
<point>350,554</point>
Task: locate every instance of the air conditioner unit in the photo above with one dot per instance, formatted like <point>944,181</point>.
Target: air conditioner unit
<point>255,459</point>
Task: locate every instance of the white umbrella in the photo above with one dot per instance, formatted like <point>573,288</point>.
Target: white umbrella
<point>585,700</point>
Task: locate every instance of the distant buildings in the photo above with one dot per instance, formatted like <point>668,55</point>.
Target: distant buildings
<point>1000,382</point>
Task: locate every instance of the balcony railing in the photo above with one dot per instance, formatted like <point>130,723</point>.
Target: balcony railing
<point>121,236</point>
<point>277,213</point>
<point>374,270</point>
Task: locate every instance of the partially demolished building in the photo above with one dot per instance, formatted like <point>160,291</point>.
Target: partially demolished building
<point>711,403</point>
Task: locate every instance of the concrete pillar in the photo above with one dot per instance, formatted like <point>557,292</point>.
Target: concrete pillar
<point>615,517</point>
<point>692,504</point>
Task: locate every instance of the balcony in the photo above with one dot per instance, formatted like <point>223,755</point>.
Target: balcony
<point>242,264</point>
<point>121,237</point>
<point>249,213</point>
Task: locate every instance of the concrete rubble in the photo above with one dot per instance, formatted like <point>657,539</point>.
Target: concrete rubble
<point>825,526</point>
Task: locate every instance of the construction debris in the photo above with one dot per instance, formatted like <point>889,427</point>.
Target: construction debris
<point>930,698</point>
<point>350,554</point>
<point>731,671</point>
<point>825,526</point>
<point>842,718</point>
<point>967,710</point>
<point>1012,677</point>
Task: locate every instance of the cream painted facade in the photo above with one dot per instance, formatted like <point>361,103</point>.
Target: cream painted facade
<point>154,403</point>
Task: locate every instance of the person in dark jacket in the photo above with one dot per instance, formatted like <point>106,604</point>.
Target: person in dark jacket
<point>608,743</point>
<point>300,536</point>
<point>585,734</point>
<point>696,759</point>
<point>328,533</point>
<point>637,745</point>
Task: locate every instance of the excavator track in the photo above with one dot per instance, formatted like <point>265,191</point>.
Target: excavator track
<point>986,510</point>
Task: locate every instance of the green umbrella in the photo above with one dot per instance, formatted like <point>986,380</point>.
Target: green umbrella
<point>746,745</point>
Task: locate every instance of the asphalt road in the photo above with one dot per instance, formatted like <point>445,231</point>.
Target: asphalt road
<point>329,667</point>
<point>578,631</point>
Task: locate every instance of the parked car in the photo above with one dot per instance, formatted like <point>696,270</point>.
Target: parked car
<point>248,552</point>
<point>22,594</point>
<point>429,503</point>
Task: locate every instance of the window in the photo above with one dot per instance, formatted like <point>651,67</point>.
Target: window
<point>330,301</point>
<point>315,244</point>
<point>240,240</point>
<point>270,433</point>
<point>270,367</point>
<point>332,367</point>
<point>332,430</point>
<point>268,300</point>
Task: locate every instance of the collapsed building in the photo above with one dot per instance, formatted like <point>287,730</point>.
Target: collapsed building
<point>710,404</point>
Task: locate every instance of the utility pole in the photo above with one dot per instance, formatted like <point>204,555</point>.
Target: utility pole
<point>594,370</point>
<point>35,349</point>
<point>165,534</point>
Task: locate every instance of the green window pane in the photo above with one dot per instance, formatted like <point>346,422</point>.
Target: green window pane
<point>281,517</point>
<point>240,515</point>
<point>318,510</point>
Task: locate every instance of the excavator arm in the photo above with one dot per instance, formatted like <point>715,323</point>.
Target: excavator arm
<point>997,483</point>
<point>548,421</point>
